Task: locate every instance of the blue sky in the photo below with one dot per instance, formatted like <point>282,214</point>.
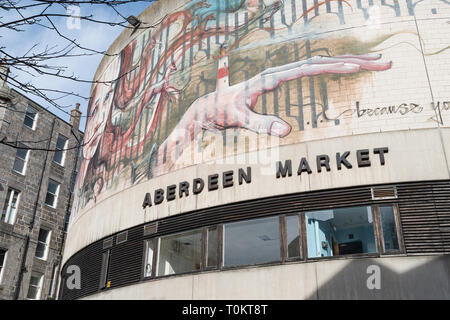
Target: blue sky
<point>91,35</point>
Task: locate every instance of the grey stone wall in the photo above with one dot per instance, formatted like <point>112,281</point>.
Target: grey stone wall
<point>33,188</point>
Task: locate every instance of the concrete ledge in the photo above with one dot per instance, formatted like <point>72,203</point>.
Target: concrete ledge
<point>401,277</point>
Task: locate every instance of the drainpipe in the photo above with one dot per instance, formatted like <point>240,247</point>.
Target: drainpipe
<point>31,226</point>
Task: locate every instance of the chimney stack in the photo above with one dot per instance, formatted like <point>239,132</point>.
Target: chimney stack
<point>4,71</point>
<point>75,115</point>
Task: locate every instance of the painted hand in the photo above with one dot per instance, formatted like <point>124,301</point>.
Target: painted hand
<point>233,106</point>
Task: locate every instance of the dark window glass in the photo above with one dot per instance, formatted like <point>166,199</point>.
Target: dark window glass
<point>104,270</point>
<point>34,289</point>
<point>20,159</point>
<point>10,206</point>
<point>292,236</point>
<point>389,228</point>
<point>52,193</point>
<point>340,231</point>
<point>42,245</point>
<point>60,147</point>
<point>2,257</point>
<point>252,242</point>
<point>30,117</point>
<point>2,261</point>
<point>180,253</point>
<point>211,258</point>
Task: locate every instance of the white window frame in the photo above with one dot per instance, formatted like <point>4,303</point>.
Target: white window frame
<point>46,244</point>
<point>2,271</point>
<point>39,286</point>
<point>8,208</point>
<point>54,282</point>
<point>148,244</point>
<point>63,158</point>
<point>35,118</point>
<point>55,194</point>
<point>24,170</point>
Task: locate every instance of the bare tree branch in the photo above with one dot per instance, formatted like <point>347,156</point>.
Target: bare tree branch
<point>51,60</point>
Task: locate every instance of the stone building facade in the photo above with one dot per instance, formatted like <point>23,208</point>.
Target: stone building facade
<point>35,193</point>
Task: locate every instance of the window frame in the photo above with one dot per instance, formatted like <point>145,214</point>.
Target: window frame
<point>41,282</point>
<point>269,263</point>
<point>35,119</point>
<point>398,229</point>
<point>104,271</point>
<point>284,233</point>
<point>284,259</point>
<point>56,195</point>
<point>25,161</point>
<point>63,150</point>
<point>156,268</point>
<point>8,209</point>
<point>53,282</point>
<point>345,256</point>
<point>3,265</point>
<point>152,275</point>
<point>205,246</point>
<point>46,244</point>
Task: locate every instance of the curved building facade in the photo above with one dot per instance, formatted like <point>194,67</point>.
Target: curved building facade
<point>273,149</point>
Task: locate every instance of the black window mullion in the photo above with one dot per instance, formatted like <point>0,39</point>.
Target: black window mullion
<point>155,255</point>
<point>220,244</point>
<point>283,239</point>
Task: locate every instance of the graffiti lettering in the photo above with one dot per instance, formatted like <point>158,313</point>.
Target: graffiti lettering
<point>402,109</point>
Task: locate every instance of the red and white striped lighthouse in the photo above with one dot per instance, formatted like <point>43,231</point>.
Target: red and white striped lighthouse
<point>222,69</point>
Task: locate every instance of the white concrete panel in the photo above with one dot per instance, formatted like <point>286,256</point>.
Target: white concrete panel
<point>413,156</point>
<point>401,277</point>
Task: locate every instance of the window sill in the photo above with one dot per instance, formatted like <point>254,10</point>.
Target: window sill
<point>344,257</point>
<point>19,173</point>
<point>50,207</point>
<point>393,254</point>
<point>6,227</point>
<point>41,259</point>
<point>29,128</point>
<point>58,164</point>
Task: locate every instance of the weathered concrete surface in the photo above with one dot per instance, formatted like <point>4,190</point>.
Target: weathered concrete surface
<point>421,277</point>
<point>412,156</point>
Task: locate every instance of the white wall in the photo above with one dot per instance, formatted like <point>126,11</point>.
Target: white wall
<point>400,278</point>
<point>413,156</point>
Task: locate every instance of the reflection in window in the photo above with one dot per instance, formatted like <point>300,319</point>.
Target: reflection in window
<point>389,229</point>
<point>20,162</point>
<point>149,250</point>
<point>60,153</point>
<point>105,268</point>
<point>180,253</point>
<point>251,242</point>
<point>30,117</point>
<point>52,193</point>
<point>3,254</point>
<point>340,231</point>
<point>43,244</point>
<point>34,290</point>
<point>293,237</point>
<point>212,242</point>
<point>10,206</point>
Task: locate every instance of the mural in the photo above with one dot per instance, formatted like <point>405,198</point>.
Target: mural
<point>253,67</point>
